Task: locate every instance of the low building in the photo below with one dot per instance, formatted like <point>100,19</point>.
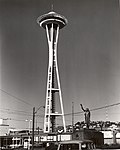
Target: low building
<point>89,134</point>
<point>5,141</point>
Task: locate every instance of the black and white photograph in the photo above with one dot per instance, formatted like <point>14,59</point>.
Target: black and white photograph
<point>59,74</point>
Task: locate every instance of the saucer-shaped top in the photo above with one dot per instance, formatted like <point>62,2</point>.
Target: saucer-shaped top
<point>52,17</point>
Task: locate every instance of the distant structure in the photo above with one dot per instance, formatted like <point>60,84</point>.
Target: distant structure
<point>52,23</point>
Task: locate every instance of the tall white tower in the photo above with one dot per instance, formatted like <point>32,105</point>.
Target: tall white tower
<point>52,23</point>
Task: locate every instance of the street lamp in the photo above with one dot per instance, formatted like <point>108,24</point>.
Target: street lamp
<point>34,112</point>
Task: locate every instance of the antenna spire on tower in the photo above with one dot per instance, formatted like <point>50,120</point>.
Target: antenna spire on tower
<point>52,6</point>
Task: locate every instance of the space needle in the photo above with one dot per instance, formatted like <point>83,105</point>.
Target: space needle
<point>52,23</point>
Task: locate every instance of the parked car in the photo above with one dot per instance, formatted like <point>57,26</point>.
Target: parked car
<point>76,145</point>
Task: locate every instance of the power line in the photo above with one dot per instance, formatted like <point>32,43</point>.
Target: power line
<point>16,97</point>
<point>107,106</point>
<point>15,112</point>
<point>2,111</point>
<point>19,111</point>
<point>103,107</point>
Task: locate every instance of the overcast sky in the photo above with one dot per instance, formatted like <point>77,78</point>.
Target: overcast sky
<point>88,58</point>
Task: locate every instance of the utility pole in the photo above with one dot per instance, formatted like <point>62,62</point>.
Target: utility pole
<point>33,128</point>
<point>72,116</point>
<point>33,124</point>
